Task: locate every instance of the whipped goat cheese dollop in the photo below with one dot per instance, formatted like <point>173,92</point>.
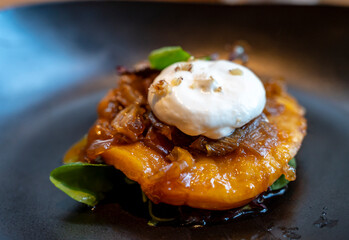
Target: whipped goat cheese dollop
<point>209,98</point>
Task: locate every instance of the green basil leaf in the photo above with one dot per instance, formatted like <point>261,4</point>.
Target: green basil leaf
<point>282,181</point>
<point>84,182</point>
<point>165,56</point>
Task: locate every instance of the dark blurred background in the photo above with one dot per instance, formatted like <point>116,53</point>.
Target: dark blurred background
<point>48,48</point>
<point>58,60</point>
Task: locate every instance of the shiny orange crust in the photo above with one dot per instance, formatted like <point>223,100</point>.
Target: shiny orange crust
<point>216,183</point>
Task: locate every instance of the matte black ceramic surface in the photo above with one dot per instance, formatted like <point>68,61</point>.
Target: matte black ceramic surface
<point>57,61</point>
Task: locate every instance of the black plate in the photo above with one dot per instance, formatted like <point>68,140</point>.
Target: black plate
<point>56,62</point>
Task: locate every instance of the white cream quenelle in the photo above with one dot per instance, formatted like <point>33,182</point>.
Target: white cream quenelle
<point>209,98</point>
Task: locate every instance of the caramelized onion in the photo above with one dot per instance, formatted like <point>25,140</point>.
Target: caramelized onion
<point>124,117</point>
<point>262,138</point>
<point>129,122</point>
<point>127,95</point>
<point>163,128</point>
<point>253,136</point>
<point>157,141</point>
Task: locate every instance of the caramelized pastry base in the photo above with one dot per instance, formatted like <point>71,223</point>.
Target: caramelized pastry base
<point>215,182</point>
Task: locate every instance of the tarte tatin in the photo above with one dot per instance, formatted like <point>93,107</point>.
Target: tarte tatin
<point>174,168</point>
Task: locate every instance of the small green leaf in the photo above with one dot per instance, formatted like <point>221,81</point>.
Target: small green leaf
<point>246,207</point>
<point>165,56</point>
<point>84,182</point>
<point>279,183</point>
<point>292,163</point>
<point>282,181</point>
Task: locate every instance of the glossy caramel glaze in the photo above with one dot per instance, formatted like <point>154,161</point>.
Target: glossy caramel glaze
<point>168,167</point>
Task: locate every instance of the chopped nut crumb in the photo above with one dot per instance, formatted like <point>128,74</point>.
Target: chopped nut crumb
<point>176,81</point>
<point>235,71</point>
<point>205,84</point>
<point>161,88</point>
<point>219,89</point>
<point>188,67</point>
<point>185,67</point>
